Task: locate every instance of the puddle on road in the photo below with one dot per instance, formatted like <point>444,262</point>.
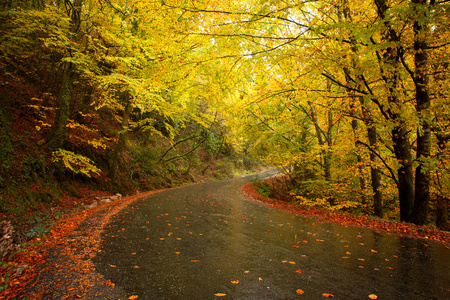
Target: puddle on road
<point>204,240</point>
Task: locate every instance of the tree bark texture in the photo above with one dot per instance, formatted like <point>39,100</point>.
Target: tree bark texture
<point>422,179</point>
<point>389,66</point>
<point>123,135</point>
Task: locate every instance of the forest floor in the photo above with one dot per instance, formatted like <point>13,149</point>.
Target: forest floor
<point>29,273</point>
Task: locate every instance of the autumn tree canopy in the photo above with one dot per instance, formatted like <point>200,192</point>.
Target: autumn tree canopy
<point>349,97</point>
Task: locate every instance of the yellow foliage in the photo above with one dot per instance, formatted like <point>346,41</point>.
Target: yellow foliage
<point>75,163</point>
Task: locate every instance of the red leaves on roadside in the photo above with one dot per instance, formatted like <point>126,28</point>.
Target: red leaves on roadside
<point>359,221</point>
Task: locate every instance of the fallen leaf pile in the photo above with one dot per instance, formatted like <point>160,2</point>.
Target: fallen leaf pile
<point>77,245</point>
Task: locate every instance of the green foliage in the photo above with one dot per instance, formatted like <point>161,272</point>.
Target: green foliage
<point>263,188</point>
<point>5,280</point>
<point>213,143</point>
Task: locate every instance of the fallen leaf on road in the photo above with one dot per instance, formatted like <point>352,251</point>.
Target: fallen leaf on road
<point>298,271</point>
<point>108,282</point>
<point>328,295</point>
<point>220,294</point>
<point>299,291</point>
<point>133,297</point>
<point>372,296</point>
<point>234,281</point>
<point>194,260</point>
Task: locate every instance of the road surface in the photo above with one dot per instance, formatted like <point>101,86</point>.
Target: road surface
<point>208,241</point>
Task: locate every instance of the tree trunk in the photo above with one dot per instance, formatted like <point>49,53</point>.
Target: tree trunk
<point>58,132</point>
<point>123,135</point>
<point>326,165</point>
<point>422,180</point>
<point>360,161</point>
<point>405,172</point>
<point>389,60</point>
<point>375,172</point>
<point>372,134</point>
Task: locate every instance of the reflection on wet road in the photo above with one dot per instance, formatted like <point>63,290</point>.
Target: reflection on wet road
<point>207,240</point>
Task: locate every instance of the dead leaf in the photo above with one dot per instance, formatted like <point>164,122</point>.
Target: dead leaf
<point>292,262</point>
<point>299,291</point>
<point>298,271</point>
<point>194,260</point>
<point>109,283</point>
<point>136,267</point>
<point>234,281</point>
<point>260,279</point>
<point>133,297</point>
<point>246,272</point>
<point>220,294</point>
<point>372,296</point>
<point>374,251</point>
<point>328,295</point>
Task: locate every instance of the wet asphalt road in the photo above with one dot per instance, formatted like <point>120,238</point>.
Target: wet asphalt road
<point>208,241</point>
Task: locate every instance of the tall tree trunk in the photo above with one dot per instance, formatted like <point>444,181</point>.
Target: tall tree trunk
<point>372,134</point>
<point>123,135</point>
<point>375,172</point>
<point>422,180</point>
<point>389,65</point>
<point>405,172</point>
<point>442,200</point>
<point>360,162</point>
<point>326,165</point>
<point>58,132</point>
